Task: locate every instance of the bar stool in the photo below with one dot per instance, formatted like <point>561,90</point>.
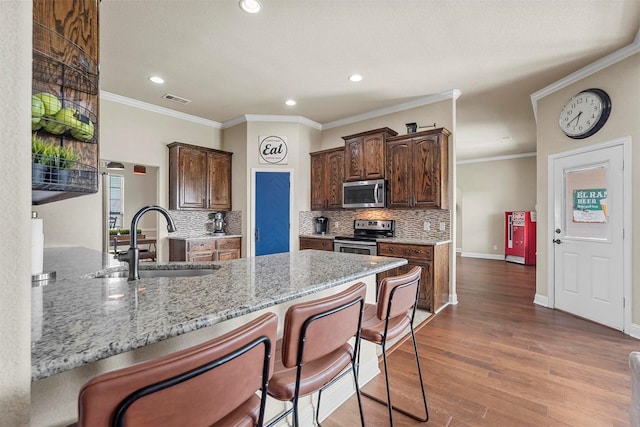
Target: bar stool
<point>388,319</point>
<point>315,350</point>
<point>211,384</point>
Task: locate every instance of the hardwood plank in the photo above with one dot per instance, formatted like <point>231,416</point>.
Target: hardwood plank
<point>496,359</point>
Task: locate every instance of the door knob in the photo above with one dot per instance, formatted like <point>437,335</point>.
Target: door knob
<point>557,241</point>
<point>557,231</point>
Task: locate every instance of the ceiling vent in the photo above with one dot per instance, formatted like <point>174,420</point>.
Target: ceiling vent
<point>177,99</point>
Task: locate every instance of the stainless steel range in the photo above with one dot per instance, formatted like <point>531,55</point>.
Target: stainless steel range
<point>365,234</point>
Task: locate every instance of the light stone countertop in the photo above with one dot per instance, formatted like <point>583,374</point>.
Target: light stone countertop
<point>204,236</point>
<point>387,239</point>
<point>77,319</point>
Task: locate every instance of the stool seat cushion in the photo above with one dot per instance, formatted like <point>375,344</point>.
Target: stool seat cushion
<point>373,327</point>
<point>315,374</point>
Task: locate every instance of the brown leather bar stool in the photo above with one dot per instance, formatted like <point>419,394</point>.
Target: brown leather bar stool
<point>211,384</point>
<point>315,348</point>
<point>388,319</point>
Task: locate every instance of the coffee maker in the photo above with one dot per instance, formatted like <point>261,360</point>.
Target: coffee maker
<point>322,225</point>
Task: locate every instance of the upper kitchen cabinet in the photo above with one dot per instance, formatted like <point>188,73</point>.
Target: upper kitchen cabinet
<point>364,154</point>
<point>418,170</point>
<point>65,101</point>
<point>327,171</point>
<point>199,178</point>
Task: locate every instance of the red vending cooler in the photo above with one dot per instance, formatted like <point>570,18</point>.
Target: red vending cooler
<point>520,237</point>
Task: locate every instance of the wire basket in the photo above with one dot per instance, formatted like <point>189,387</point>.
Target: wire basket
<point>51,173</point>
<point>65,118</point>
<point>58,60</point>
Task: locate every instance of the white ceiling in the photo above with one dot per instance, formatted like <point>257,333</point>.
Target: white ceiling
<point>229,63</point>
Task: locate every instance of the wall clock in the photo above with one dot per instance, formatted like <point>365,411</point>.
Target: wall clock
<point>585,113</point>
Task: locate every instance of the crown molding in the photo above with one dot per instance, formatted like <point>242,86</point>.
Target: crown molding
<point>271,118</point>
<point>431,99</point>
<point>584,72</point>
<point>493,159</point>
<point>157,109</point>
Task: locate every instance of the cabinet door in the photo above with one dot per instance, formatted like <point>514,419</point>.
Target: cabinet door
<point>219,173</point>
<point>425,293</point>
<point>426,172</point>
<point>192,178</point>
<point>399,174</point>
<point>373,149</point>
<point>318,170</point>
<point>227,255</point>
<point>354,159</point>
<point>334,177</point>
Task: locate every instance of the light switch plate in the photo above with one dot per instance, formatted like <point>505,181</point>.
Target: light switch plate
<point>426,226</point>
<point>443,226</point>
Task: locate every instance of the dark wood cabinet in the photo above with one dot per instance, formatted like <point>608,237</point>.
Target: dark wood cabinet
<point>364,154</point>
<point>205,250</point>
<point>327,171</point>
<point>418,170</point>
<point>434,260</point>
<point>199,178</point>
<point>321,244</point>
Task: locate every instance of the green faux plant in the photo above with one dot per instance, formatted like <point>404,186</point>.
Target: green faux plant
<point>123,231</point>
<point>42,152</point>
<point>65,157</point>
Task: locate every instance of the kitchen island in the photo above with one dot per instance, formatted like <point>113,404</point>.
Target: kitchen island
<point>83,326</point>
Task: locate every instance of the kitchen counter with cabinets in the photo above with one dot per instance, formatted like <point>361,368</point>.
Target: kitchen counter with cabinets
<point>82,326</point>
<point>205,248</point>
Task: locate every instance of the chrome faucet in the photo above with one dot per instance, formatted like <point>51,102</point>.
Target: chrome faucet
<point>133,254</point>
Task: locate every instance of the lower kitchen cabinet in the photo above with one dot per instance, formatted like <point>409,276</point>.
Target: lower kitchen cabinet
<point>434,260</point>
<point>321,244</point>
<point>205,250</point>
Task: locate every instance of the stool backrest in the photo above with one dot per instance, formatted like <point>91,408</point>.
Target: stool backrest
<point>326,324</point>
<point>196,386</point>
<point>404,291</point>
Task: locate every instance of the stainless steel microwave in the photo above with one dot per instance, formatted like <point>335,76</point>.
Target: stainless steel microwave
<point>364,194</point>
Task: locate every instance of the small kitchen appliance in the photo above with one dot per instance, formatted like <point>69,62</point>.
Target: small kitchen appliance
<point>364,194</point>
<point>322,225</point>
<point>365,234</point>
<point>218,224</point>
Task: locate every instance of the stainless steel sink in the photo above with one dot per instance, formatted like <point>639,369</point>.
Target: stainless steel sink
<point>182,272</point>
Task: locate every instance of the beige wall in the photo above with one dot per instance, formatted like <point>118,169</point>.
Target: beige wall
<point>440,112</point>
<point>127,134</point>
<point>15,207</point>
<point>486,191</point>
<point>621,81</point>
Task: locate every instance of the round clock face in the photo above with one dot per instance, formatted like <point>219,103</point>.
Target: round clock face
<point>585,113</point>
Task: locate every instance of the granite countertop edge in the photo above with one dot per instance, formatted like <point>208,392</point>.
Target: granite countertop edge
<point>405,240</point>
<point>72,338</point>
<point>203,236</point>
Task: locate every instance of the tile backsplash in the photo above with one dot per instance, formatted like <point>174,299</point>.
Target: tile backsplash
<point>409,222</point>
<point>200,223</point>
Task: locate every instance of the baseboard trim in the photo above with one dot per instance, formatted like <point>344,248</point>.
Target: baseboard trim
<point>634,330</point>
<point>541,300</point>
<point>484,256</point>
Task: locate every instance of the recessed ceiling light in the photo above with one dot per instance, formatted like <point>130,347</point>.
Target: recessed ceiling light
<point>157,79</point>
<point>355,77</point>
<point>290,102</point>
<point>250,6</point>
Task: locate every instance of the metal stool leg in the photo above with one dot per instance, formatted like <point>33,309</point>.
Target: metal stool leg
<point>388,388</point>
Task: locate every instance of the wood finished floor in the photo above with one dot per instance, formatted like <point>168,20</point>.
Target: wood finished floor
<point>496,359</point>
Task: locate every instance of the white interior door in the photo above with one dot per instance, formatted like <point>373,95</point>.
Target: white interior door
<point>588,235</point>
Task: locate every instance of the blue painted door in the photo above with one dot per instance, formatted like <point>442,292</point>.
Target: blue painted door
<point>272,212</point>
